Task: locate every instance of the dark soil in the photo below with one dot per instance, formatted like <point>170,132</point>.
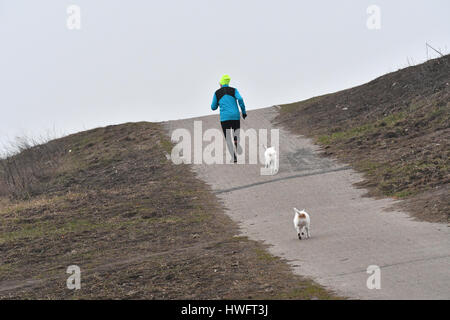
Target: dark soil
<point>138,226</point>
<point>395,129</point>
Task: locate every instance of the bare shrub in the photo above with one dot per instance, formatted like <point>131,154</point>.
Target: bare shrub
<point>3,186</point>
<point>24,171</point>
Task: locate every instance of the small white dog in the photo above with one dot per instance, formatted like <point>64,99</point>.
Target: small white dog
<point>302,223</point>
<point>270,156</point>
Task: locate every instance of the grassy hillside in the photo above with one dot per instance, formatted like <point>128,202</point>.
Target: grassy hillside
<point>138,226</point>
<point>395,129</point>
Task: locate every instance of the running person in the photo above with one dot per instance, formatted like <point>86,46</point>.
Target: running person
<point>230,116</point>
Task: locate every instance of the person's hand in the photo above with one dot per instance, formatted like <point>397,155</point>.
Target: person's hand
<point>244,115</point>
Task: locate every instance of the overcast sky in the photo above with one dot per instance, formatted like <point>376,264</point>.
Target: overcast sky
<point>142,60</point>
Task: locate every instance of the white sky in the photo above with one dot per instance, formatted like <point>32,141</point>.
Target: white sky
<point>142,60</point>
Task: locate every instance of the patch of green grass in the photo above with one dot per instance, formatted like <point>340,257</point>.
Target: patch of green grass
<point>50,229</point>
<point>391,120</point>
<point>371,167</point>
<point>264,255</point>
<point>324,139</point>
<point>166,144</point>
<point>403,194</point>
<point>307,290</point>
<point>5,268</point>
<point>239,238</point>
<point>360,131</point>
<point>393,180</point>
<point>200,216</point>
<point>347,134</point>
<point>47,229</point>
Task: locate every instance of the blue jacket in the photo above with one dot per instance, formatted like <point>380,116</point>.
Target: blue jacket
<point>226,98</point>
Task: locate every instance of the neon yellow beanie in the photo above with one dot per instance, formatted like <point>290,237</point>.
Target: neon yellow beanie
<point>225,79</point>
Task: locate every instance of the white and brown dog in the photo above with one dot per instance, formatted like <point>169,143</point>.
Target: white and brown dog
<point>302,223</point>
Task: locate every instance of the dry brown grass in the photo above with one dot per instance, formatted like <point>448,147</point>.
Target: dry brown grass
<point>23,173</point>
<point>138,226</point>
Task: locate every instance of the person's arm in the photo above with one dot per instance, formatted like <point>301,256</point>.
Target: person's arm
<point>240,101</point>
<point>214,103</point>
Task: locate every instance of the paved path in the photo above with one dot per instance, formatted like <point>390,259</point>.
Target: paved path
<point>349,231</point>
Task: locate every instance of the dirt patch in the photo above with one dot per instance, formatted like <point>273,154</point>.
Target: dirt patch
<point>138,226</point>
<point>395,129</point>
